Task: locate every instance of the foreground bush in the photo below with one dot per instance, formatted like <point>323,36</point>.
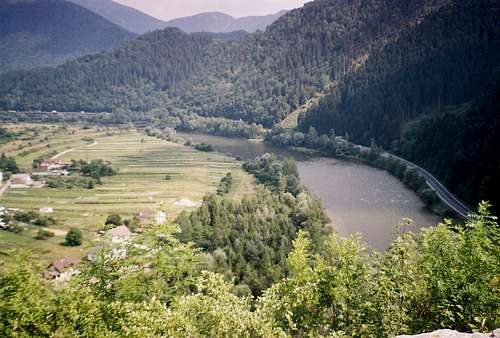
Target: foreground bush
<point>446,276</point>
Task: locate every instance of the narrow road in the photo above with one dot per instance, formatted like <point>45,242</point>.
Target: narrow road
<point>460,208</point>
<point>70,150</point>
<point>61,154</point>
<point>4,188</point>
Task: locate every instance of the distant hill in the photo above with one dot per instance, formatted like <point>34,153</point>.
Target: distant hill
<point>49,32</point>
<point>212,22</point>
<point>126,17</point>
<point>215,22</point>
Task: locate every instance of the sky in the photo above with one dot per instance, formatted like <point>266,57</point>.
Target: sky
<point>169,9</point>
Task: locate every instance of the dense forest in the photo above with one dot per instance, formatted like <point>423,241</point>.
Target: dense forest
<point>259,79</point>
<point>430,96</point>
<point>248,240</point>
<point>49,32</point>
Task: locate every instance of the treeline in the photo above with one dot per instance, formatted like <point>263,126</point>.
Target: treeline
<point>8,164</point>
<point>6,135</point>
<point>445,276</point>
<point>340,147</point>
<point>157,119</point>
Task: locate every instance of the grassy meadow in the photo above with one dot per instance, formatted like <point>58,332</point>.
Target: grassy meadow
<point>143,163</point>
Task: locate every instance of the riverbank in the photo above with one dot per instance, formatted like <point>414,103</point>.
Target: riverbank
<point>358,198</point>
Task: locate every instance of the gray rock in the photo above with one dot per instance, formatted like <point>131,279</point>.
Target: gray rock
<point>454,334</point>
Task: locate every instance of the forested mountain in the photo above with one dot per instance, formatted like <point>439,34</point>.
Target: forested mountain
<point>215,22</point>
<point>391,70</point>
<point>49,32</point>
<point>126,17</point>
<point>431,95</point>
<point>259,79</point>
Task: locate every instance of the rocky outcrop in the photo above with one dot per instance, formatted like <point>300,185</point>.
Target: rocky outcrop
<point>455,334</point>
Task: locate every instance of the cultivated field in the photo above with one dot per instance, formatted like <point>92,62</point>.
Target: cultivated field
<point>142,162</point>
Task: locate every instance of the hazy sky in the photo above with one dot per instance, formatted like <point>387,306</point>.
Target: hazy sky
<point>169,9</point>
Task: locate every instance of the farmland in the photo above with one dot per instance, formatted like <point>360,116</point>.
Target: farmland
<point>152,173</point>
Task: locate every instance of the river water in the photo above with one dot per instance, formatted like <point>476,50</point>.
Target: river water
<point>358,198</point>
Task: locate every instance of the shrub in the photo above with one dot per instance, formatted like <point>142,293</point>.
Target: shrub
<point>74,237</point>
<point>44,234</point>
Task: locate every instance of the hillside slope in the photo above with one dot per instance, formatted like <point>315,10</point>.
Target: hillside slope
<point>126,17</point>
<point>259,79</point>
<point>432,96</point>
<point>49,32</point>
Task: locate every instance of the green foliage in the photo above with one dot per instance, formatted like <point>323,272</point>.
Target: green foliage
<point>70,182</point>
<point>275,176</point>
<point>33,217</point>
<point>74,237</point>
<point>8,164</point>
<point>114,219</point>
<point>96,169</point>
<point>259,79</point>
<point>445,276</point>
<point>225,184</point>
<point>6,136</point>
<point>43,234</point>
<point>248,240</point>
<point>26,302</point>
<point>204,147</point>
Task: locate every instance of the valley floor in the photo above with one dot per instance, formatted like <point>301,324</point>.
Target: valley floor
<point>142,162</point>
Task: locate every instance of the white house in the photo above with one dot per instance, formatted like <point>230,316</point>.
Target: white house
<point>1,177</point>
<point>160,217</point>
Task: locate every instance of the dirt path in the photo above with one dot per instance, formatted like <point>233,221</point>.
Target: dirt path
<point>61,154</point>
<point>4,188</point>
<point>70,150</point>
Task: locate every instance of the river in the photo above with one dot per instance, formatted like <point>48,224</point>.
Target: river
<point>358,198</point>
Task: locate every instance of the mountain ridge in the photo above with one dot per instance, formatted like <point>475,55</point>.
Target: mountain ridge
<point>139,22</point>
<point>50,32</point>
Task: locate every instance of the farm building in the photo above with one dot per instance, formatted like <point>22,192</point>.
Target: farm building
<point>54,164</point>
<point>145,216</point>
<point>21,181</point>
<point>57,268</point>
<point>120,234</point>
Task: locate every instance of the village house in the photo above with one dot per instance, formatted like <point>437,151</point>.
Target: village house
<point>57,268</point>
<point>54,164</point>
<point>144,217</point>
<point>52,167</point>
<point>161,217</point>
<point>120,234</point>
<point>21,181</point>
